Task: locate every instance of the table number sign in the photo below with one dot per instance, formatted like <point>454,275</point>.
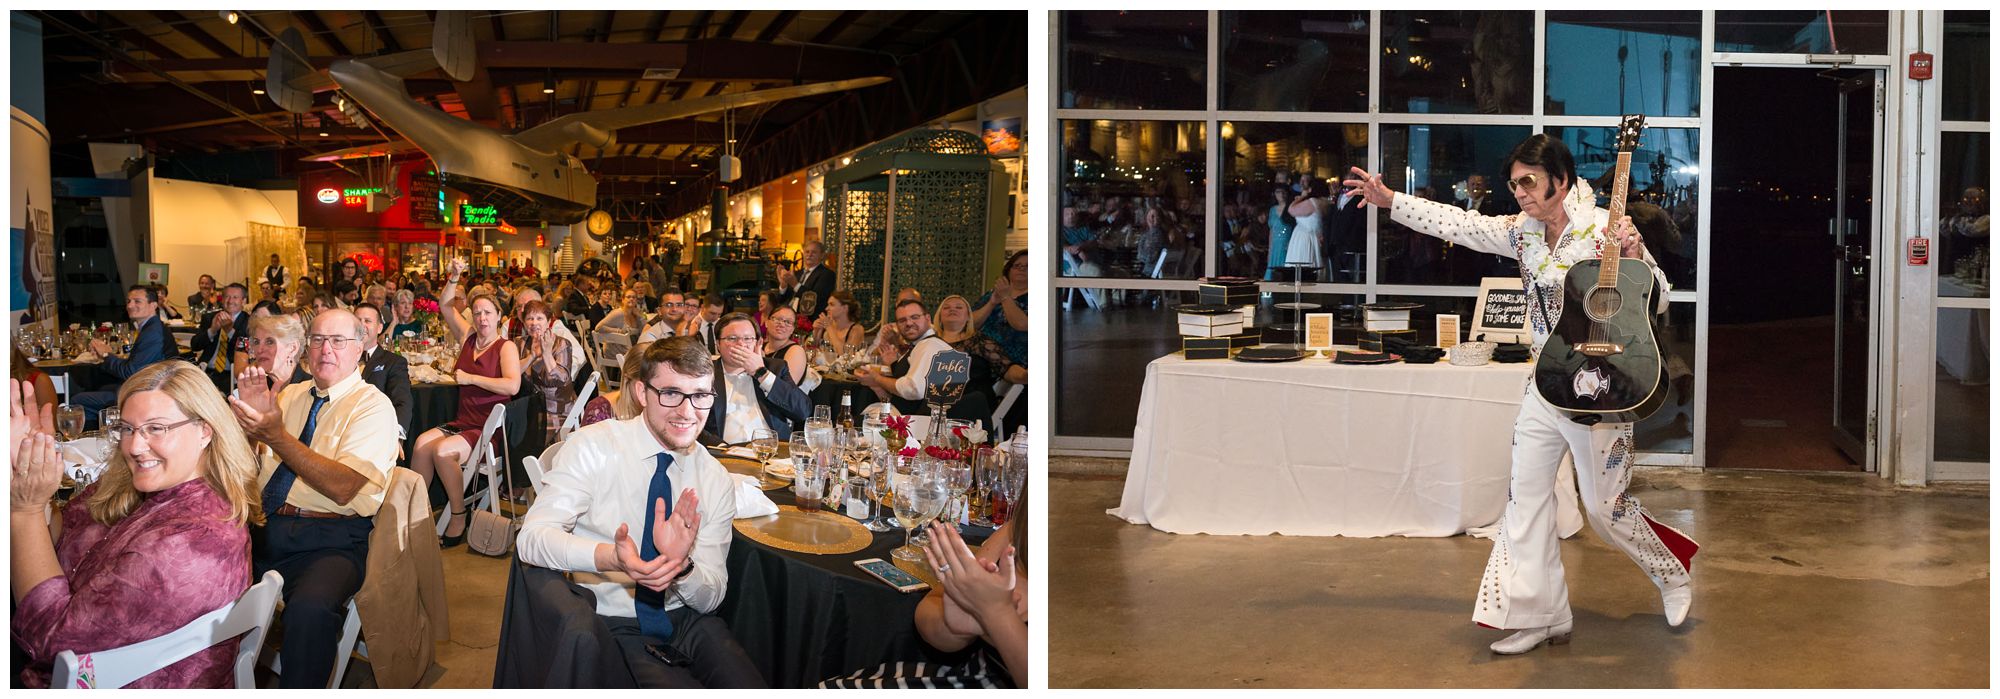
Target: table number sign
<point>950,371</point>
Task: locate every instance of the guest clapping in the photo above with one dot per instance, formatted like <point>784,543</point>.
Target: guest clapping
<point>157,541</point>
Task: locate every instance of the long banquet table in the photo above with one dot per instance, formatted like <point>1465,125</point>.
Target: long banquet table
<point>1318,449</point>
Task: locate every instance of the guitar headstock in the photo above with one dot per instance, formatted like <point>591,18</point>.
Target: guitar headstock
<point>1628,132</point>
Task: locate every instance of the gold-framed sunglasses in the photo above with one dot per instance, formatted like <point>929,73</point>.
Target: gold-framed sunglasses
<point>1527,181</point>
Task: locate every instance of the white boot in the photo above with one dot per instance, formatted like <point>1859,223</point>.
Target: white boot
<point>1677,601</point>
<point>1530,639</point>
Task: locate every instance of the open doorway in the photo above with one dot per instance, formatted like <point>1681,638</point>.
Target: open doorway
<point>1789,268</point>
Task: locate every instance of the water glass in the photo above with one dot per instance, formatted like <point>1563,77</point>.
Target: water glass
<point>823,413</point>
<point>765,443</point>
<point>69,422</point>
<point>808,481</point>
<point>107,417</point>
<point>920,496</point>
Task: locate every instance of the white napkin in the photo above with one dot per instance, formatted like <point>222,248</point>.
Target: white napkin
<point>744,452</point>
<point>750,499</point>
<point>85,459</point>
<point>782,466</point>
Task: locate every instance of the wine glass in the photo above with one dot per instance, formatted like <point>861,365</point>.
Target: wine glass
<point>765,443</point>
<point>796,446</point>
<point>919,498</point>
<point>985,472</point>
<point>69,421</point>
<point>958,475</point>
<point>822,413</point>
<point>878,488</point>
<point>107,417</point>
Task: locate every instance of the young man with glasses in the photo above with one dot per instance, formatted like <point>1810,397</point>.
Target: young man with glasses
<point>155,343</point>
<point>755,391</point>
<point>672,318</point>
<point>328,447</point>
<point>906,381</point>
<point>656,564</point>
<point>1559,226</point>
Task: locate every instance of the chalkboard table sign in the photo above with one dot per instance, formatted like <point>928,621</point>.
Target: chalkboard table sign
<point>950,370</point>
<point>1501,312</point>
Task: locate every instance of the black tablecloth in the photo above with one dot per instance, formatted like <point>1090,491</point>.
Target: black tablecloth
<point>828,392</point>
<point>804,617</point>
<point>437,404</point>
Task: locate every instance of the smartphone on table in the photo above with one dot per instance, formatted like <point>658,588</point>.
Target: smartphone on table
<point>887,572</point>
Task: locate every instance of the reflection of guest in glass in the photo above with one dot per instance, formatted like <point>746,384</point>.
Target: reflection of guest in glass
<point>1966,230</point>
<point>1559,225</point>
<point>1305,207</point>
<point>1280,223</point>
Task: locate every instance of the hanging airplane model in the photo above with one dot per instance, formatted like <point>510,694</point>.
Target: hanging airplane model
<point>527,175</point>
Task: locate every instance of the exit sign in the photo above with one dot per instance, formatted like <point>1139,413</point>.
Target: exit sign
<point>478,215</point>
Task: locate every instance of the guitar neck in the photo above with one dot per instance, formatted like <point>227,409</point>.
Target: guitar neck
<point>1607,270</point>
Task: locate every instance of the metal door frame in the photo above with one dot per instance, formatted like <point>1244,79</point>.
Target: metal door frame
<point>1882,240</point>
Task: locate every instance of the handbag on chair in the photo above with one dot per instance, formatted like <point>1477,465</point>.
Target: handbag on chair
<point>490,532</point>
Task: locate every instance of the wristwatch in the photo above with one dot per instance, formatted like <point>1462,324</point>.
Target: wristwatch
<point>758,375</point>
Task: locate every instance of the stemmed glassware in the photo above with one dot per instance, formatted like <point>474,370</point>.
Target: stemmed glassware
<point>985,472</point>
<point>765,443</point>
<point>878,482</point>
<point>958,475</point>
<point>69,421</point>
<point>919,499</point>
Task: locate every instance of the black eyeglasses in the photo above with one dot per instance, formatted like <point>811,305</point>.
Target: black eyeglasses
<point>671,398</point>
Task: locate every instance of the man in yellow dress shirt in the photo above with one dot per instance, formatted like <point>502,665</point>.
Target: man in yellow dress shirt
<point>327,447</point>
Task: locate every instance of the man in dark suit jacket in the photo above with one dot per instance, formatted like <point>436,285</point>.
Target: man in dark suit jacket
<point>224,334</point>
<point>780,403</point>
<point>1346,232</point>
<point>155,343</point>
<point>387,371</point>
<point>809,288</point>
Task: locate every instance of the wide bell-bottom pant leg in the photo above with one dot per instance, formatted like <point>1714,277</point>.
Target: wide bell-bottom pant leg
<point>1523,584</point>
<point>1603,473</point>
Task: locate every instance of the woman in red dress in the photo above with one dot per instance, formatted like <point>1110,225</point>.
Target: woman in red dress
<point>488,374</point>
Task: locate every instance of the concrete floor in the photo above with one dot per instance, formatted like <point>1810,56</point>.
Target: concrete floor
<point>1804,580</point>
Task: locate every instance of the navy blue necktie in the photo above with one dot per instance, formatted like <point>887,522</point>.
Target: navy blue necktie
<point>281,480</point>
<point>652,606</point>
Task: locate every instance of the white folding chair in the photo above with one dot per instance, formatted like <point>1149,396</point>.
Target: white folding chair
<point>537,465</point>
<point>1006,403</point>
<point>611,349</point>
<point>575,417</point>
<point>249,616</point>
<point>485,458</point>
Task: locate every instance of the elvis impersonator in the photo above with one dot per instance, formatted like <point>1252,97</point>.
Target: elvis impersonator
<point>1559,225</point>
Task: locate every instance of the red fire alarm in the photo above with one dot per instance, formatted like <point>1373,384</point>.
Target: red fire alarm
<point>1920,66</point>
<point>1920,251</point>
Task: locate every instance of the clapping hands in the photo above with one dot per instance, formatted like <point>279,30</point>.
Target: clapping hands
<point>673,537</point>
<point>978,587</point>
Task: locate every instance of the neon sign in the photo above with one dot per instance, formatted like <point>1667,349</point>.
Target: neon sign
<point>329,195</point>
<point>478,215</point>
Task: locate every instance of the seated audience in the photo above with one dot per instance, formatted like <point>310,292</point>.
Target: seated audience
<point>906,384</point>
<point>157,541</point>
<point>155,343</point>
<point>224,338</point>
<point>1009,326</point>
<point>754,391</point>
<point>328,444</point>
<point>275,345</point>
<point>990,362</point>
<point>838,330</point>
<point>387,371</point>
<point>672,543</point>
<point>545,365</point>
<point>778,344</point>
<point>488,374</point>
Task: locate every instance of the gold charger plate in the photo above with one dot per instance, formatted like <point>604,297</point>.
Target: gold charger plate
<point>748,467</point>
<point>806,532</point>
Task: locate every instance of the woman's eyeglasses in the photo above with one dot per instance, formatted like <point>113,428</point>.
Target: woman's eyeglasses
<point>121,430</point>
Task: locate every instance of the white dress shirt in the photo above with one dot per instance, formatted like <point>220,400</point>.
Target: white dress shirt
<point>357,427</point>
<point>599,481</point>
<point>911,386</point>
<point>657,331</point>
<point>745,416</point>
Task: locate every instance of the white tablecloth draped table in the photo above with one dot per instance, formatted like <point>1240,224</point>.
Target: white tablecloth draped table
<point>1318,449</point>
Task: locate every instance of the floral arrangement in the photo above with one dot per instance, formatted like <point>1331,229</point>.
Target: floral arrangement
<point>426,310</point>
<point>897,428</point>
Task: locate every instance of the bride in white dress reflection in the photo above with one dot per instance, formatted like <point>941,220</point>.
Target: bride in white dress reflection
<point>1303,250</point>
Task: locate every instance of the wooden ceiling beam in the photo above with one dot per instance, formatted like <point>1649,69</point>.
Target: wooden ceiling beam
<point>176,21</point>
<point>374,22</point>
<point>312,20</point>
<point>838,25</point>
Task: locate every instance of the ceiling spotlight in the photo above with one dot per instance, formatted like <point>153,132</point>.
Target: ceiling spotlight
<point>324,134</point>
<point>229,15</point>
<point>256,90</point>
<point>845,161</point>
<point>549,82</point>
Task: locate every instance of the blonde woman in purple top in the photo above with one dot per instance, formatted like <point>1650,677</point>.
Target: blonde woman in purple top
<point>159,540</point>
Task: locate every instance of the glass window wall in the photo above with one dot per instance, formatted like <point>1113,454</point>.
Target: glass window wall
<point>1292,61</point>
<point>1458,61</point>
<point>1134,198</point>
<point>1653,59</point>
<point>1455,164</point>
<point>1135,60</point>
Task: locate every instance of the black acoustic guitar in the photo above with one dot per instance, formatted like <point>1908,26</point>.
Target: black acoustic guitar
<point>1601,362</point>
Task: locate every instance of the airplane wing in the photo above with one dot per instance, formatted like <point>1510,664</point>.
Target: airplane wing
<point>370,151</point>
<point>598,128</point>
<point>292,82</point>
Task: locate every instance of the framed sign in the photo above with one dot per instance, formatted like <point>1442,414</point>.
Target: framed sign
<point>150,273</point>
<point>950,371</point>
<point>1447,330</point>
<point>1501,311</point>
<point>1319,331</point>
